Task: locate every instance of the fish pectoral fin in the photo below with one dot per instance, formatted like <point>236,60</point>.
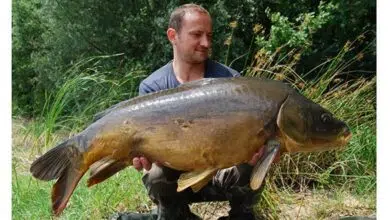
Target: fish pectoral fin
<point>198,186</point>
<point>195,179</point>
<point>262,166</point>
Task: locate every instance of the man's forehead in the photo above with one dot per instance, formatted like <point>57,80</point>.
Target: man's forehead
<point>193,17</point>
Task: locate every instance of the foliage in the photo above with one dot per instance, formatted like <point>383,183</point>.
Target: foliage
<point>87,90</point>
<point>296,35</point>
<point>26,41</point>
<point>49,37</point>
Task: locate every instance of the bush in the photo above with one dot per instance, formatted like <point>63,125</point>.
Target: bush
<point>49,37</point>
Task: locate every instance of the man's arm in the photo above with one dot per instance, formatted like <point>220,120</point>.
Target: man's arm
<point>145,88</point>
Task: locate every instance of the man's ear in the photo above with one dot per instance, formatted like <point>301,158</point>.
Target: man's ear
<point>171,34</point>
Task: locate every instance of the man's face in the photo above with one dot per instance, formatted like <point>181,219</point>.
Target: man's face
<point>193,42</point>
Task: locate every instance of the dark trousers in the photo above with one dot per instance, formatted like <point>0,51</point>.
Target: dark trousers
<point>230,184</point>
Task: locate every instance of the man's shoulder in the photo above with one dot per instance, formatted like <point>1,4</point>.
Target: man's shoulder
<point>216,69</point>
<point>158,80</point>
<point>159,74</point>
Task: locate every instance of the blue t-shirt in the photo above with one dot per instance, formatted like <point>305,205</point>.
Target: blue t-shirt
<point>164,78</point>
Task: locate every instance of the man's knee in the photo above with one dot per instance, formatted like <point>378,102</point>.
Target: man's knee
<point>234,182</point>
<point>236,176</point>
<point>160,181</point>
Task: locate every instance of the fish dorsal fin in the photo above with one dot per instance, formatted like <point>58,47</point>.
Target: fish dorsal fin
<point>262,166</point>
<point>195,179</point>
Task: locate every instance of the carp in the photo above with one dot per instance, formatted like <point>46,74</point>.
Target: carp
<point>198,128</point>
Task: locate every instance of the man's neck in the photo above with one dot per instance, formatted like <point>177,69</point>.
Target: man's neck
<point>186,72</point>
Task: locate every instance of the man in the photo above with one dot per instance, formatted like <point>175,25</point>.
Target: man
<point>190,33</point>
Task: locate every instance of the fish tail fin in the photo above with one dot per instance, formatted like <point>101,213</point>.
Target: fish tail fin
<point>65,163</point>
<point>53,163</point>
<point>64,187</point>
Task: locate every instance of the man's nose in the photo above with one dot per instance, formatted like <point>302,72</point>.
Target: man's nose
<point>205,41</point>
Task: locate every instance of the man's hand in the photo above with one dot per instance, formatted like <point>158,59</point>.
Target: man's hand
<point>140,163</point>
<point>259,154</point>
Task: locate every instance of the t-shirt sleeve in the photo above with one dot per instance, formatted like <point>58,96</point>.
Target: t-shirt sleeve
<point>216,70</point>
<point>145,89</point>
<point>235,73</point>
<point>158,80</point>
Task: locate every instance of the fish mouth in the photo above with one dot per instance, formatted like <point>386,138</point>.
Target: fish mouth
<point>342,138</point>
<point>320,144</point>
<point>346,137</point>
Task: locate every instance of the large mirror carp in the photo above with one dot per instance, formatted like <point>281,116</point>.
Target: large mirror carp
<point>198,127</point>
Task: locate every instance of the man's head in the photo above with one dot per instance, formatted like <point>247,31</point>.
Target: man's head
<point>190,32</point>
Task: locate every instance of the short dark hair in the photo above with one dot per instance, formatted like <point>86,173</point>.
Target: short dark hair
<point>176,19</point>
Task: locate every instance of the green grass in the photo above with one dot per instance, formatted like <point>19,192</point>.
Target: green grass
<point>88,89</point>
<point>124,191</point>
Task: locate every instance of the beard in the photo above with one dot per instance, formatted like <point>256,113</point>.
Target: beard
<point>197,57</point>
<point>192,55</point>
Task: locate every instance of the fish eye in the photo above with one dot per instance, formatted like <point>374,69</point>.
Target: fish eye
<point>326,117</point>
